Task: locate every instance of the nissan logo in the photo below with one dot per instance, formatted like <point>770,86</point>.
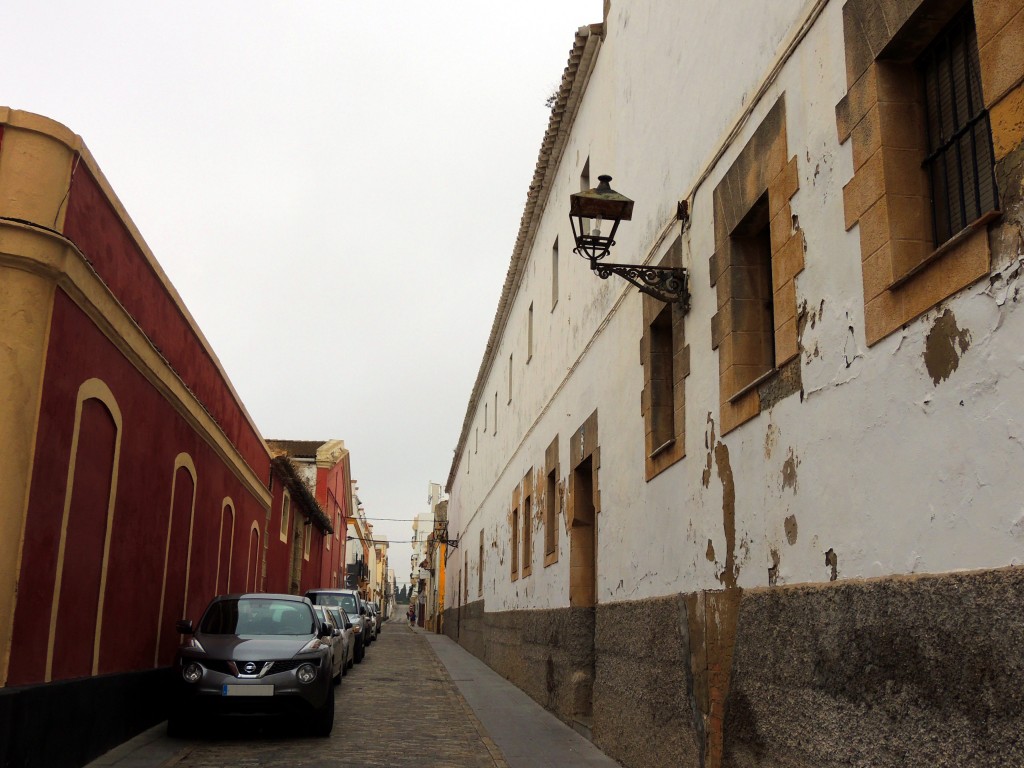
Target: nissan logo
<point>250,668</point>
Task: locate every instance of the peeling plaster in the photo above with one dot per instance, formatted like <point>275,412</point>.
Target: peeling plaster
<point>771,437</point>
<point>710,554</point>
<point>789,471</point>
<point>832,561</point>
<point>941,355</point>
<point>709,440</point>
<point>773,570</point>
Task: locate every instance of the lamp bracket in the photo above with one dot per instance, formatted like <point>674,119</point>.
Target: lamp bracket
<point>667,284</point>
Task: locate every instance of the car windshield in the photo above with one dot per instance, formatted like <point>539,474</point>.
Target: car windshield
<point>336,613</point>
<point>258,616</point>
<point>348,602</point>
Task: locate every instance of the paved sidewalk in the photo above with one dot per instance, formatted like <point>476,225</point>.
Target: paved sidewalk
<point>418,700</point>
<point>527,734</point>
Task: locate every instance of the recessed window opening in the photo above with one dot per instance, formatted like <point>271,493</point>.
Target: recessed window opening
<point>515,543</point>
<point>960,160</point>
<point>529,335</point>
<point>550,513</point>
<point>585,185</point>
<point>554,274</point>
<point>527,535</point>
<point>662,379</point>
<point>752,298</point>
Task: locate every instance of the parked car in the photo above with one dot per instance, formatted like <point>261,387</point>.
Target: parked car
<point>347,633</point>
<point>350,602</point>
<point>336,641</point>
<point>371,621</point>
<point>377,615</point>
<point>254,654</point>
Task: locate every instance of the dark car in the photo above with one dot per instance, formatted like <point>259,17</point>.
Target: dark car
<point>350,602</point>
<point>377,615</point>
<point>254,654</point>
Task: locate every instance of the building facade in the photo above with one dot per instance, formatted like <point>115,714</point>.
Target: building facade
<point>777,523</point>
<point>133,483</point>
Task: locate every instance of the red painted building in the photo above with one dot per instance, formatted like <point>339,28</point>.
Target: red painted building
<point>134,485</point>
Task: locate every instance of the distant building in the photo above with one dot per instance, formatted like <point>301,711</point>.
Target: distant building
<point>315,542</point>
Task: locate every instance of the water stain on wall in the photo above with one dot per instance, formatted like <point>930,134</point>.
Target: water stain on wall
<point>731,571</point>
<point>791,529</point>
<point>944,346</point>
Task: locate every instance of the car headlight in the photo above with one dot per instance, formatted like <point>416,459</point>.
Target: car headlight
<point>192,672</point>
<point>356,628</point>
<point>306,673</point>
<point>313,645</point>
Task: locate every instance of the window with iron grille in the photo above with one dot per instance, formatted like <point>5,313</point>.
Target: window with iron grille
<point>960,158</point>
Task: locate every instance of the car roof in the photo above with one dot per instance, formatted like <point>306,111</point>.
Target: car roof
<point>263,596</point>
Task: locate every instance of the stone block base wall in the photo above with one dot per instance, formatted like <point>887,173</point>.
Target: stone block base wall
<point>68,723</point>
<point>920,671</point>
<point>910,671</point>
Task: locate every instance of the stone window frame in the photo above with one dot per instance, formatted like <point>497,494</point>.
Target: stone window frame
<point>526,513</point>
<point>762,168</point>
<point>664,377</point>
<point>552,502</point>
<point>882,116</point>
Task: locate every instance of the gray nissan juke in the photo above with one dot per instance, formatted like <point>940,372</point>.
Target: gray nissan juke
<point>253,654</point>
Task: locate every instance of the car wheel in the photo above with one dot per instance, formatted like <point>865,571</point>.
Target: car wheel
<point>337,678</point>
<point>323,718</point>
<point>360,651</point>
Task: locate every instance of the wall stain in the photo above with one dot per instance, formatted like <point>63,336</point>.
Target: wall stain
<point>773,570</point>
<point>728,576</point>
<point>710,554</point>
<point>832,561</point>
<point>791,529</point>
<point>789,471</point>
<point>944,346</point>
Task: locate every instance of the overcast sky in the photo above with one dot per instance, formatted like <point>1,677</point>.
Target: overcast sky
<point>334,188</point>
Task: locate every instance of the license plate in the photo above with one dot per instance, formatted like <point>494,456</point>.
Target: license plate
<point>247,690</point>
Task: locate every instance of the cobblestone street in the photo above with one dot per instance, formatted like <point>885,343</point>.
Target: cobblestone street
<point>397,708</point>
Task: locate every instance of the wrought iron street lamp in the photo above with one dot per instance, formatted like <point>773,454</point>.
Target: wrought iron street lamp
<point>607,208</point>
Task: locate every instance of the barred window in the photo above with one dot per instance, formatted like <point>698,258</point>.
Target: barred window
<point>960,159</point>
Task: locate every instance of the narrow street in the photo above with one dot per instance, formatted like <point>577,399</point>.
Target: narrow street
<point>400,707</point>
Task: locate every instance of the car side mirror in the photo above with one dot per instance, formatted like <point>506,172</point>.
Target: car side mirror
<point>362,610</point>
<point>184,627</point>
<point>325,631</point>
<point>335,632</point>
